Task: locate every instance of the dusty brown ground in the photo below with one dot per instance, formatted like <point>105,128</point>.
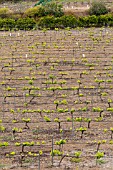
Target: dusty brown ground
<point>80,54</point>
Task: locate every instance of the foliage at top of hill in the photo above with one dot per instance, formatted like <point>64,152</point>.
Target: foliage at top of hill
<point>98,8</point>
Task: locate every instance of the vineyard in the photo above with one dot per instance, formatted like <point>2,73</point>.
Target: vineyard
<point>56,99</point>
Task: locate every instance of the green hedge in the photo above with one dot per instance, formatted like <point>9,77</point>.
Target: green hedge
<point>59,22</point>
<point>105,20</point>
<point>20,24</point>
<point>52,22</point>
<point>25,23</point>
<point>72,22</point>
<point>7,24</point>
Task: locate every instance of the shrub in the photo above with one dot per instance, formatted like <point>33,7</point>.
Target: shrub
<point>52,22</point>
<point>41,11</point>
<point>5,12</point>
<point>59,22</point>
<point>53,9</point>
<point>1,23</point>
<point>90,21</point>
<point>98,8</point>
<point>7,24</point>
<point>16,16</point>
<point>72,22</point>
<point>31,12</point>
<point>83,21</point>
<point>105,20</point>
<point>46,22</point>
<point>22,24</point>
<point>25,23</point>
<point>69,21</point>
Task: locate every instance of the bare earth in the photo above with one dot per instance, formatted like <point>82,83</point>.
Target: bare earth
<point>38,68</point>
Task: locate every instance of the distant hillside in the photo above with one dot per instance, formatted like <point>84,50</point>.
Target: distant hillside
<point>22,5</point>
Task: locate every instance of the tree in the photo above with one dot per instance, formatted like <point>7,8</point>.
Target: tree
<point>98,8</point>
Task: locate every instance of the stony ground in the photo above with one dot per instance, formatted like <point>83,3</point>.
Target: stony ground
<point>80,55</point>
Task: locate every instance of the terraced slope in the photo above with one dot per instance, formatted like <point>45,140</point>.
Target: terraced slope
<point>23,5</point>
